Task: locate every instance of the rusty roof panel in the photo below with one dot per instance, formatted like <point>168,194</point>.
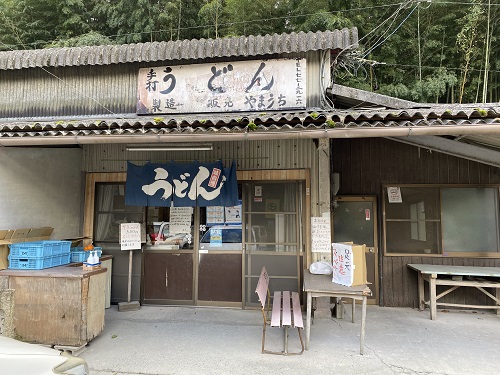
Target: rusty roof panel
<point>181,49</point>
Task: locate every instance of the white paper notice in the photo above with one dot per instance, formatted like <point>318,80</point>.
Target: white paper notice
<point>320,234</point>
<point>130,236</point>
<point>343,272</point>
<point>180,220</point>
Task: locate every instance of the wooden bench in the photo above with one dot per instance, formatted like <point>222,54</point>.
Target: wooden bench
<point>286,312</point>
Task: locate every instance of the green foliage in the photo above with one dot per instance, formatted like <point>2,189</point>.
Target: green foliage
<point>256,17</point>
<point>90,39</point>
<point>212,14</point>
<point>316,15</point>
<point>421,51</point>
<point>330,123</point>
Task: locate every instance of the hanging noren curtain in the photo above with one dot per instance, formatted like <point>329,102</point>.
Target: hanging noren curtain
<point>181,185</point>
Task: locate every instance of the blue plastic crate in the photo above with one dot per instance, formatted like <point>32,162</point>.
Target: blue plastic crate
<point>61,247</point>
<point>80,255</point>
<point>61,259</point>
<point>30,263</point>
<point>38,249</point>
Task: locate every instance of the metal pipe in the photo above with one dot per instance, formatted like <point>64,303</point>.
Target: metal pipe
<point>361,132</point>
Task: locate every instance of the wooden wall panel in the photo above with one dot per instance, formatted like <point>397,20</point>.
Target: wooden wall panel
<point>364,164</point>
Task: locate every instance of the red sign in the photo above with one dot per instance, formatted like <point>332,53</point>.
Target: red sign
<point>214,178</point>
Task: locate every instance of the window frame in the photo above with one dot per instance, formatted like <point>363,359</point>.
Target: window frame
<point>442,252</point>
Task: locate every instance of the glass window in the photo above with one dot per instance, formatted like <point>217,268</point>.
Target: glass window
<point>170,228</point>
<point>111,211</point>
<point>442,221</point>
<point>470,219</point>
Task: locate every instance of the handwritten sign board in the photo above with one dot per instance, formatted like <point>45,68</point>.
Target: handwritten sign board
<point>180,220</point>
<point>342,264</point>
<point>130,236</point>
<point>320,234</point>
<point>349,264</point>
<point>252,85</point>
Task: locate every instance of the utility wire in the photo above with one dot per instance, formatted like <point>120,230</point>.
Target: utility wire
<point>399,4</point>
<point>114,36</point>
<point>379,43</point>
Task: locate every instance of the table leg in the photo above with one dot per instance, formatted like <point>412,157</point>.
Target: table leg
<point>432,292</point>
<point>498,297</point>
<point>363,319</point>
<point>421,301</point>
<point>308,319</point>
<point>353,309</point>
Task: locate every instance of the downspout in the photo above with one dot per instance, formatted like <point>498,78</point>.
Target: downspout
<point>360,132</point>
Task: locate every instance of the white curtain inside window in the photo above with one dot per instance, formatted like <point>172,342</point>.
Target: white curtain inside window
<point>105,194</point>
<point>290,217</point>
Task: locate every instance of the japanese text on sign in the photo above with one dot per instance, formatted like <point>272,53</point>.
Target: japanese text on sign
<point>227,87</point>
<point>394,195</point>
<point>180,220</point>
<point>342,262</point>
<point>320,234</point>
<point>130,236</point>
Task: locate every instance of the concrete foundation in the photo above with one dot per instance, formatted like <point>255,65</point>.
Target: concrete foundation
<point>7,312</point>
<point>129,306</point>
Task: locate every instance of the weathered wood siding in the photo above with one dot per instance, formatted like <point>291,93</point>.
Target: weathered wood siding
<point>365,164</point>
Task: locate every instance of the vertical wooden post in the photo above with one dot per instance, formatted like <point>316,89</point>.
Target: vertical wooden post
<point>432,290</point>
<point>129,293</point>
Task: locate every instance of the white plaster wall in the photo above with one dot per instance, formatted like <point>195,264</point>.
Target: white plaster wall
<point>42,187</point>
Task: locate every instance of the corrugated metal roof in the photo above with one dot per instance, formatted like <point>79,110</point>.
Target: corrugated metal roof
<point>440,116</point>
<point>181,49</point>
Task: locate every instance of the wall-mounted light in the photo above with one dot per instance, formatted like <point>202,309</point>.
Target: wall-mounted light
<point>171,147</point>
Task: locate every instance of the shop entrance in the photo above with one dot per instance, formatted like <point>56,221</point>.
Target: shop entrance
<point>221,265</point>
<point>274,213</point>
<point>210,262</point>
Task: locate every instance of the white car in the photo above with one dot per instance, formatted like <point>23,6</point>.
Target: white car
<point>161,236</point>
<point>222,237</point>
<point>22,358</point>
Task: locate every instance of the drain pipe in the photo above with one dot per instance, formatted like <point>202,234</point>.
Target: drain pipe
<point>360,132</point>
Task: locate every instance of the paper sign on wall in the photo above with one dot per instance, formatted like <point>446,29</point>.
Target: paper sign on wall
<point>180,220</point>
<point>233,214</point>
<point>215,215</point>
<point>320,234</point>
<point>130,236</point>
<point>215,237</point>
<point>394,195</point>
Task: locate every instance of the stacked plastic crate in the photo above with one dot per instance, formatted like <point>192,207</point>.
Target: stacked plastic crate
<point>39,254</point>
<point>78,254</point>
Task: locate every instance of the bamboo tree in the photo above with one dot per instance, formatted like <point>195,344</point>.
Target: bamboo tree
<point>487,54</point>
<point>211,14</point>
<point>467,44</point>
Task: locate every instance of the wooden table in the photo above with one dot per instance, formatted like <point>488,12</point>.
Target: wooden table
<point>322,286</point>
<point>62,306</point>
<point>442,275</point>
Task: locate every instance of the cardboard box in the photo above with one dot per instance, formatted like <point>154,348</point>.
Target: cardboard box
<point>77,241</point>
<point>349,264</point>
<point>11,236</point>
